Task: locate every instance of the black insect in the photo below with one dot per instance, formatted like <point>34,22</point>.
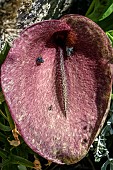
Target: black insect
<point>39,60</point>
<point>69,51</point>
<point>50,108</point>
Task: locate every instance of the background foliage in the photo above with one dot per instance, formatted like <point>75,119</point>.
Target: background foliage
<point>16,155</point>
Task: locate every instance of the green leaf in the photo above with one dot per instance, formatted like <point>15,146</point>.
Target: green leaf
<point>3,154</point>
<point>10,120</point>
<point>4,116</point>
<point>6,162</point>
<point>107,23</point>
<point>8,166</point>
<point>110,35</point>
<point>22,150</point>
<point>111,166</point>
<point>4,53</point>
<point>104,166</point>
<point>0,165</point>
<point>19,160</point>
<point>109,10</point>
<point>112,96</point>
<point>21,167</point>
<point>4,128</point>
<point>100,9</point>
<point>13,159</point>
<point>2,137</point>
<point>2,99</point>
<point>111,131</point>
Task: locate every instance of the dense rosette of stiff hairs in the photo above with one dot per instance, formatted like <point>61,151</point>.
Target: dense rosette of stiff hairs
<point>57,84</point>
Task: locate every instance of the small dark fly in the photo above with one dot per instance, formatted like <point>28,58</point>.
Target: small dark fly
<point>69,51</point>
<point>39,60</point>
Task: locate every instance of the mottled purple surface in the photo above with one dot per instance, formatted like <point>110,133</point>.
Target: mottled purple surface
<point>30,89</point>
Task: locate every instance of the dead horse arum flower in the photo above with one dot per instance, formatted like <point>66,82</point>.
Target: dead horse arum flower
<point>57,83</point>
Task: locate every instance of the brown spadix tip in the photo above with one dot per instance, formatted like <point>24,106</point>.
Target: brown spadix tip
<point>57,84</point>
<point>65,38</point>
